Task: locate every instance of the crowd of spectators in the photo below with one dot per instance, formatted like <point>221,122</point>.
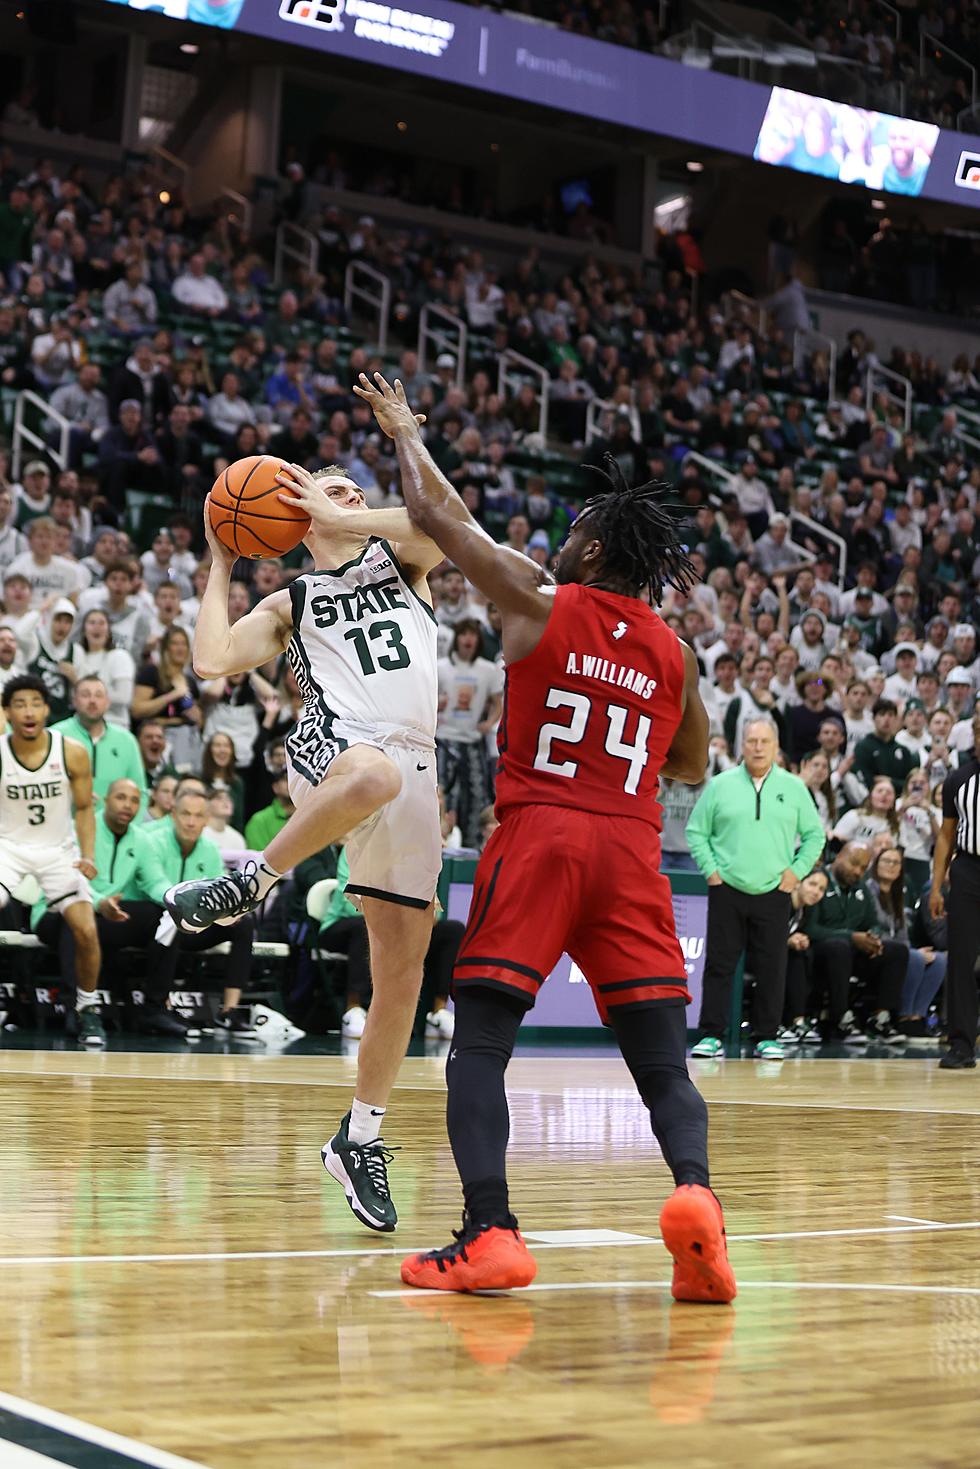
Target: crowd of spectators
<point>158,337</point>
<point>883,44</point>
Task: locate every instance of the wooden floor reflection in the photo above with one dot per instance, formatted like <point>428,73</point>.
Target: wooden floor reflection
<point>177,1268</point>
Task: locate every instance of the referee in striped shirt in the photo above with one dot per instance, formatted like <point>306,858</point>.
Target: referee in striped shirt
<point>958,852</point>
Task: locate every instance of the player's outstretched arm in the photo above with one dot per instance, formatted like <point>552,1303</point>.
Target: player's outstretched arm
<point>222,648</point>
<point>687,758</point>
<point>506,577</point>
<point>79,769</point>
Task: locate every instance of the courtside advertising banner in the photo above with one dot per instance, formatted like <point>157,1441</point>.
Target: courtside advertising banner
<point>512,57</point>
<point>566,999</point>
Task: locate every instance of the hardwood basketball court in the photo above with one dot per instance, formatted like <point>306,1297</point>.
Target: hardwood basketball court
<point>182,1282</point>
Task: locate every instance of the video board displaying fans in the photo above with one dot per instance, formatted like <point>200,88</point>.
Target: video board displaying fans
<point>505,55</point>
<point>835,141</point>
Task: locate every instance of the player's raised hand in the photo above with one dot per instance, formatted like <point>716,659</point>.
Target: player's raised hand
<point>299,487</point>
<point>391,408</point>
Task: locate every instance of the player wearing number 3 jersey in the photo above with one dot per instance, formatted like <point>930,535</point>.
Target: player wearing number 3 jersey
<point>601,698</point>
<point>43,776</point>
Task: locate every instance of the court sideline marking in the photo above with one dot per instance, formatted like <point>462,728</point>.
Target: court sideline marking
<point>121,1452</point>
<point>235,1255</point>
<point>851,1285</point>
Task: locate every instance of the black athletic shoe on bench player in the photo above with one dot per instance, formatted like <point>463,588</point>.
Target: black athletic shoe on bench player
<point>194,906</point>
<point>234,1022</point>
<point>362,1172</point>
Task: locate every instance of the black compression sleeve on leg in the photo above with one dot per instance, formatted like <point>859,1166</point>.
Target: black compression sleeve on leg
<point>477,1119</point>
<point>653,1043</point>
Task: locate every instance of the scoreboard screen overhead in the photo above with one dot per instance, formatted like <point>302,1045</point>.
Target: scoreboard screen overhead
<point>509,57</point>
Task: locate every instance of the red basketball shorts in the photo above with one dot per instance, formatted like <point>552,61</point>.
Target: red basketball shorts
<point>554,881</point>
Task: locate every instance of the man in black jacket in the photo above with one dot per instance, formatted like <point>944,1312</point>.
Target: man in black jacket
<point>128,457</point>
<point>841,931</point>
<point>182,456</point>
<point>140,379</point>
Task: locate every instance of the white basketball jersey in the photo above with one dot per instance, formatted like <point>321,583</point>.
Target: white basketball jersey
<point>363,651</point>
<point>35,805</point>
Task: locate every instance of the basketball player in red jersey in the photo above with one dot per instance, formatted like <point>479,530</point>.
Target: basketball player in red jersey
<point>601,699</point>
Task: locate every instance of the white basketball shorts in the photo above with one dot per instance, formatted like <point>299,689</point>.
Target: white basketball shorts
<point>395,854</point>
<point>53,868</point>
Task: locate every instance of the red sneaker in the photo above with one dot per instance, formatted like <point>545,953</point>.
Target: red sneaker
<point>693,1229</point>
<point>490,1257</point>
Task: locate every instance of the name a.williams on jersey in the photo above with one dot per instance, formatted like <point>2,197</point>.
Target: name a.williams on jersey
<point>358,603</point>
<point>590,665</point>
<point>43,792</point>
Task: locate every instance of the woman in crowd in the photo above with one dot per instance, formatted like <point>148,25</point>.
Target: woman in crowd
<point>920,823</point>
<point>470,702</point>
<point>927,968</point>
<point>815,775</point>
<point>94,653</point>
<point>234,706</point>
<point>875,816</point>
<point>219,774</point>
<point>169,693</point>
<point>161,798</point>
<point>806,894</point>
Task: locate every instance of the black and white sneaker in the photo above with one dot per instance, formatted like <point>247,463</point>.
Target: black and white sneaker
<point>849,1031</point>
<point>362,1172</point>
<point>194,906</point>
<point>235,1023</point>
<point>881,1029</point>
<point>91,1030</point>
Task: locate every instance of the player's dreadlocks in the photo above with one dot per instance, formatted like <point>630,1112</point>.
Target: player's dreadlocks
<point>639,531</point>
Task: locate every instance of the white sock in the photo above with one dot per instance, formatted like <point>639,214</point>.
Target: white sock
<point>365,1122</point>
<point>84,998</point>
<point>267,878</point>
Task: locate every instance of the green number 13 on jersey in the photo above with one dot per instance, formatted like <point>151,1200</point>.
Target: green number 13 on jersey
<point>392,655</point>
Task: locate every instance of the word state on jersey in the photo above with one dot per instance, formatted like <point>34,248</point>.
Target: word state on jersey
<point>574,866</point>
<point>363,653</point>
<point>37,833</point>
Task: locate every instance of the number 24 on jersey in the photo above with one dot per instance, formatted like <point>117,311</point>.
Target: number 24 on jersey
<point>635,754</point>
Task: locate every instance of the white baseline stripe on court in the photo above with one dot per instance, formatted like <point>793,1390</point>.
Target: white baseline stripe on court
<point>9,1261</point>
<point>911,1219</point>
<point>928,1290</point>
<point>104,1438</point>
<point>14,1457</point>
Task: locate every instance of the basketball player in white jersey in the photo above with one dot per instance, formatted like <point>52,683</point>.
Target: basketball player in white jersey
<point>360,636</point>
<point>42,775</point>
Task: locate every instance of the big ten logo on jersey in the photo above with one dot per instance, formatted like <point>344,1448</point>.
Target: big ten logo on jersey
<point>358,604</point>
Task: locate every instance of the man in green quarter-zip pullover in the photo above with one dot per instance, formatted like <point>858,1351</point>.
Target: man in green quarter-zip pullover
<point>754,834</point>
<point>137,864</point>
<point>179,850</point>
<point>114,753</point>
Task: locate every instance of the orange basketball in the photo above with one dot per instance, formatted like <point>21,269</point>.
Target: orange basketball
<point>246,513</point>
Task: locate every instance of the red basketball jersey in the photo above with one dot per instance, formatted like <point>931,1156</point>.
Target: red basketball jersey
<point>590,715</point>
